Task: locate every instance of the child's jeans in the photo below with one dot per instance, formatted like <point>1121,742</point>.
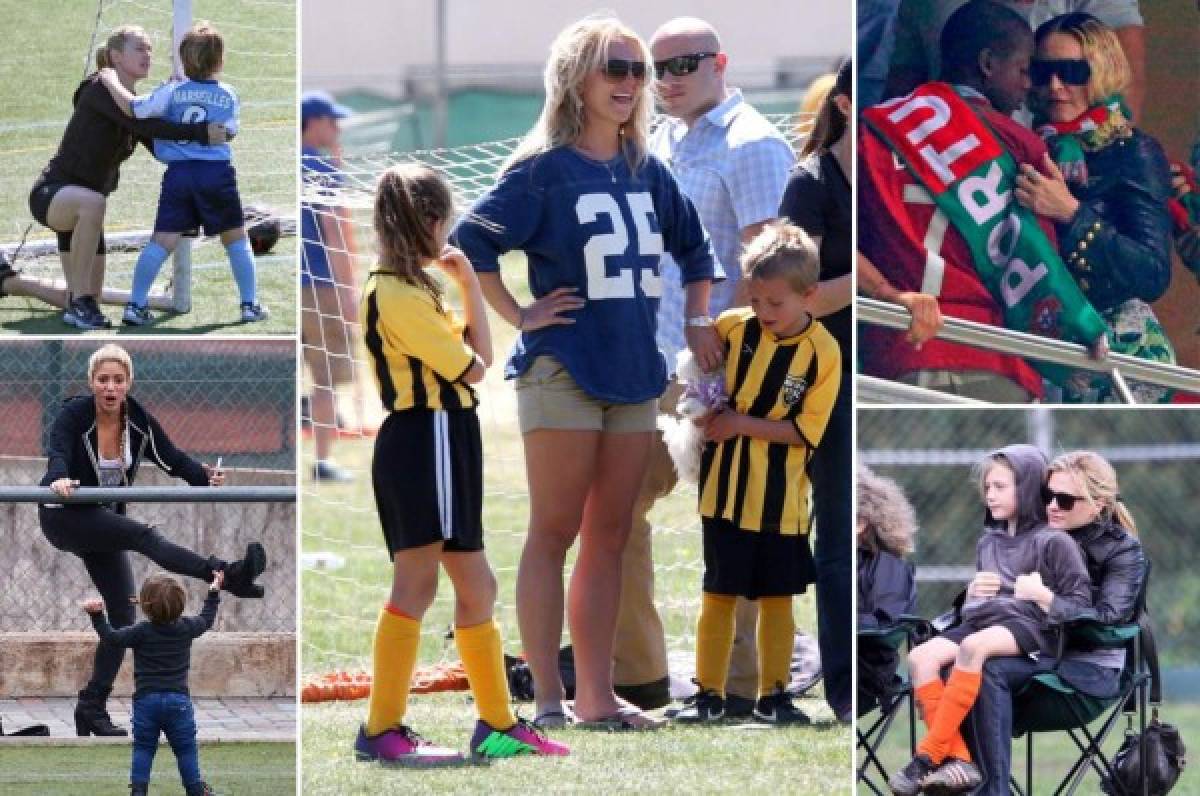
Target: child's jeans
<point>171,713</point>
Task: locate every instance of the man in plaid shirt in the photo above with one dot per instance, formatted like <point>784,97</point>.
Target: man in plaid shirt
<point>733,165</point>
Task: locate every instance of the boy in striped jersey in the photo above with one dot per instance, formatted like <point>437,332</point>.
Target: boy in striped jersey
<point>781,374</point>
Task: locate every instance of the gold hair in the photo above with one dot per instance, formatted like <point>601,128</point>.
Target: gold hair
<point>1098,481</point>
<point>110,352</point>
<point>783,250</point>
<point>1102,49</point>
<point>118,40</point>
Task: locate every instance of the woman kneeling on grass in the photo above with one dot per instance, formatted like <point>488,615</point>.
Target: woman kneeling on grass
<point>1017,555</point>
<point>427,472</point>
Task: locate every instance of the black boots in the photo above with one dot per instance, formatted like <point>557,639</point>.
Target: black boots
<point>200,789</point>
<point>92,719</point>
<point>240,575</point>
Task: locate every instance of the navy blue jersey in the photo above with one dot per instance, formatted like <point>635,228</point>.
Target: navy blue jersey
<point>598,227</point>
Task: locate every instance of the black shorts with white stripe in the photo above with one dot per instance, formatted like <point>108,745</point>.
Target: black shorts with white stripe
<point>428,477</point>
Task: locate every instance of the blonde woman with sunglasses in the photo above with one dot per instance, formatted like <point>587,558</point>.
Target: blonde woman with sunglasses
<point>594,213</point>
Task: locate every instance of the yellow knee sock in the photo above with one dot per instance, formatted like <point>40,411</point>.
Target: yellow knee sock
<point>396,640</point>
<point>483,658</point>
<point>776,638</point>
<point>714,640</point>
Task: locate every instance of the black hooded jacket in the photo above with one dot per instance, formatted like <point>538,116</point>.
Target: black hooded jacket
<point>71,446</point>
<point>1033,547</point>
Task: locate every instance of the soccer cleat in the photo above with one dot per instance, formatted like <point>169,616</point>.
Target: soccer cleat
<point>520,739</point>
<point>136,315</point>
<point>401,746</point>
<point>84,313</point>
<point>777,708</point>
<point>253,312</point>
<point>951,777</point>
<point>909,781</point>
<point>328,470</point>
<point>704,706</point>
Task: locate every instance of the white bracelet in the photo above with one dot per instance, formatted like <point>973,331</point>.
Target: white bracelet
<point>699,321</point>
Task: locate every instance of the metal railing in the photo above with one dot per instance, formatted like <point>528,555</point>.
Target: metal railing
<point>151,494</point>
<point>1118,367</point>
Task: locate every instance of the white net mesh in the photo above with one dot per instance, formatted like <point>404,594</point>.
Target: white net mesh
<point>348,571</point>
<point>260,63</point>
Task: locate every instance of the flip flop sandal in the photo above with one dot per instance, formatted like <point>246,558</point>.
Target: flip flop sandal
<point>554,719</point>
<point>625,720</point>
<point>952,777</point>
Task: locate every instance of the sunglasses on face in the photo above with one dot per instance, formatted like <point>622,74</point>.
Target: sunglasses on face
<point>1065,500</point>
<point>680,65</point>
<point>1071,71</point>
<point>616,69</point>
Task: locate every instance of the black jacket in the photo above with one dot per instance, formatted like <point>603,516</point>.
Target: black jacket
<point>162,654</point>
<point>71,446</point>
<point>1118,245</point>
<point>100,137</point>
<point>887,589</point>
<point>1117,568</point>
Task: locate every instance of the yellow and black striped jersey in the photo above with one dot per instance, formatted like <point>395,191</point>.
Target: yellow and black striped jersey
<point>418,353</point>
<point>755,484</point>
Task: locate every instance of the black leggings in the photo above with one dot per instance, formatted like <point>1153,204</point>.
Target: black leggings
<point>101,538</point>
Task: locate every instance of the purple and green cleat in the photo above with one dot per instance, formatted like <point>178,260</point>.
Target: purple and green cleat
<point>520,739</point>
<point>402,747</point>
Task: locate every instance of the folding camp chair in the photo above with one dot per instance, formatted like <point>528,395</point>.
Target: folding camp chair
<point>1050,704</point>
<point>889,700</point>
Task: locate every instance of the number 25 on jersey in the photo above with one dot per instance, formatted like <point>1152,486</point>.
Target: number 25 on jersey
<point>600,285</point>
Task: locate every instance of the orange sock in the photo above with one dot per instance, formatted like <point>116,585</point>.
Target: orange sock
<point>929,696</point>
<point>944,738</point>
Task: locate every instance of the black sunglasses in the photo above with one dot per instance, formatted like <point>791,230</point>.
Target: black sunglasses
<point>1065,500</point>
<point>1072,71</point>
<point>620,68</point>
<point>681,65</point>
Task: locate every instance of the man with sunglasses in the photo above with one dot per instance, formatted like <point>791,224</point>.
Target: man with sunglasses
<point>916,55</point>
<point>986,55</point>
<point>733,165</point>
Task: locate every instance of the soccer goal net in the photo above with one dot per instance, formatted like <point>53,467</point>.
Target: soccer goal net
<point>348,574</point>
<point>260,63</point>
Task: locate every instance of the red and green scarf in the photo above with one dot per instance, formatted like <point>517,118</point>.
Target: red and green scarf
<point>970,175</point>
<point>1097,127</point>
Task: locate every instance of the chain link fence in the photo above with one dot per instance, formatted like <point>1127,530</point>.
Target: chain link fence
<point>231,399</point>
<point>930,453</point>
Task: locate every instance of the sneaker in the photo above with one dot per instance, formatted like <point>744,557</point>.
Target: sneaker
<point>136,315</point>
<point>951,777</point>
<point>703,706</point>
<point>253,312</point>
<point>401,746</point>
<point>777,708</point>
<point>327,470</point>
<point>520,739</point>
<point>83,313</point>
<point>909,781</point>
<point>738,707</point>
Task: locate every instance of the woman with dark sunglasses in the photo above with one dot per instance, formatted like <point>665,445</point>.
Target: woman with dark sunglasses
<point>593,212</point>
<point>1082,499</point>
<point>1107,191</point>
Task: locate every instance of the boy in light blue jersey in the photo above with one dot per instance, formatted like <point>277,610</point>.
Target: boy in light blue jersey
<point>199,187</point>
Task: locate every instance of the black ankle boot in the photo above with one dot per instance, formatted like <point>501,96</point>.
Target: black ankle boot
<point>240,575</point>
<point>92,719</point>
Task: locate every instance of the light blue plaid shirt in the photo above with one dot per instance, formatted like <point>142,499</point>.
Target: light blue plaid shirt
<point>733,165</point>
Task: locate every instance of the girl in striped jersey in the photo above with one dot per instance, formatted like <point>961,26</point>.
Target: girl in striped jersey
<point>782,370</point>
<point>427,472</point>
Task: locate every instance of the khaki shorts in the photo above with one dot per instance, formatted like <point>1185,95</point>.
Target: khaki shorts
<point>548,398</point>
<point>327,339</point>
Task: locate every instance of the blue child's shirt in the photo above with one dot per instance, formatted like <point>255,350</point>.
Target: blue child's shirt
<point>189,101</point>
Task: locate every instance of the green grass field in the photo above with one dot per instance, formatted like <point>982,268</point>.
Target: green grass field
<point>268,769</point>
<point>44,72</point>
<point>1053,752</point>
<point>340,607</point>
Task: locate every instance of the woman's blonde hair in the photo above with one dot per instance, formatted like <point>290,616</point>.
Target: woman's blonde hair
<point>118,40</point>
<point>1101,48</point>
<point>110,352</point>
<point>578,51</point>
<point>891,522</point>
<point>411,199</point>
<point>1098,481</point>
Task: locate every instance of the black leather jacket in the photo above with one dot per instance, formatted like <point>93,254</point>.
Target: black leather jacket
<point>1117,567</point>
<point>1118,245</point>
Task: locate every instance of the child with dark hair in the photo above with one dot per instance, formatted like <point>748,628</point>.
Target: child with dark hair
<point>161,658</point>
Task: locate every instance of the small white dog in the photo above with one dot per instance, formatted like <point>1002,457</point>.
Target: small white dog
<point>703,394</point>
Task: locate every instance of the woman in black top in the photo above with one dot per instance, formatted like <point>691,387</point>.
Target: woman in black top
<point>70,194</point>
<point>99,440</point>
<point>817,199</point>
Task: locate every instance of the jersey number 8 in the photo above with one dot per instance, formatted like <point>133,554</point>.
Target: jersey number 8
<point>610,244</point>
